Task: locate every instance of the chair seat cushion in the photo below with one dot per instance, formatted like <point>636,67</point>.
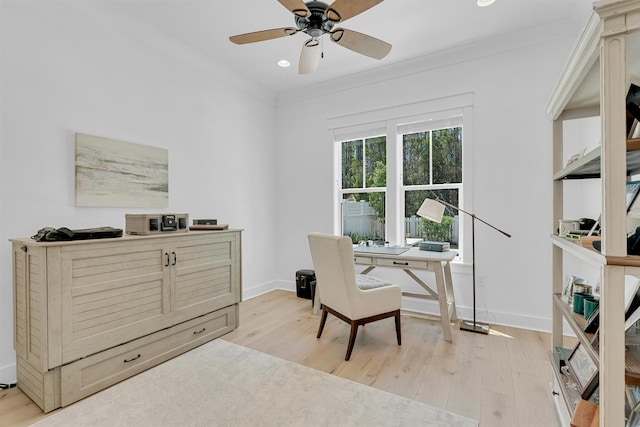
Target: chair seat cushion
<point>369,282</point>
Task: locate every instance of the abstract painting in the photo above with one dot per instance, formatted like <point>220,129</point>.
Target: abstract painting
<point>112,173</point>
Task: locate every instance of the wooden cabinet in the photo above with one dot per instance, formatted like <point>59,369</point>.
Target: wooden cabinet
<point>91,313</point>
<point>594,83</point>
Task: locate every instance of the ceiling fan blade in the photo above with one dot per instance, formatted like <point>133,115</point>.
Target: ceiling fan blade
<point>259,36</point>
<point>361,43</point>
<point>297,7</point>
<point>310,56</point>
<point>341,10</point>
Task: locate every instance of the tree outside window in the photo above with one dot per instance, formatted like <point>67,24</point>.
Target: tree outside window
<point>364,169</point>
<point>432,167</point>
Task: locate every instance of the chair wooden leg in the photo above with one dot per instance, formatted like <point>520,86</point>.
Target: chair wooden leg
<point>323,320</point>
<point>397,316</point>
<point>352,339</point>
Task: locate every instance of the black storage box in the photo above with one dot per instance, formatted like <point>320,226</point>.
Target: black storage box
<point>305,284</point>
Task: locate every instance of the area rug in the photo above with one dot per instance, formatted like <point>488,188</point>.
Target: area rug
<point>224,384</point>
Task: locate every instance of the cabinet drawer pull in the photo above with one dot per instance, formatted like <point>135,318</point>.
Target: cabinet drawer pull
<point>132,359</point>
<point>175,258</point>
<point>167,255</point>
<point>400,263</point>
<point>200,331</point>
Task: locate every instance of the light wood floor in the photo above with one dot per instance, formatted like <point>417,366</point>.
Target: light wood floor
<point>501,379</point>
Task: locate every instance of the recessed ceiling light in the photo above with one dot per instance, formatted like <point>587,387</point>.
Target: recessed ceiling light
<point>284,63</point>
<point>483,3</point>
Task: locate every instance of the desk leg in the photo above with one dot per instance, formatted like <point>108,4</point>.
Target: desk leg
<point>450,296</point>
<point>444,306</point>
<point>368,269</point>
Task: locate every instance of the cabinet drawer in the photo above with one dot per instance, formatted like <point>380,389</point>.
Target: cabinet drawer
<point>402,263</point>
<point>94,373</point>
<point>363,260</point>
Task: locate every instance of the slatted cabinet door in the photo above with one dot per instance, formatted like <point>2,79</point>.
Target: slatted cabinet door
<point>29,304</point>
<point>112,296</point>
<point>204,273</point>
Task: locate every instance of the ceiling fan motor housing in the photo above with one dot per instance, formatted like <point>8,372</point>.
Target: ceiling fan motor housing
<point>317,23</point>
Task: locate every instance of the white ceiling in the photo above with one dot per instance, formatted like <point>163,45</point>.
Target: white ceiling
<point>415,28</point>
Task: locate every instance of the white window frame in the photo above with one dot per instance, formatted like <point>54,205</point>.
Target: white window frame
<point>391,122</point>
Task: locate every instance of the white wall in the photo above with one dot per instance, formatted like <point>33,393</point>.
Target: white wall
<point>511,164</point>
<point>66,71</point>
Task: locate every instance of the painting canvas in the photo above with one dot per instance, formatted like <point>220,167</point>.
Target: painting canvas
<point>120,174</point>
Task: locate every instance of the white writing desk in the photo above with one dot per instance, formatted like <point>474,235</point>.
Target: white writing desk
<point>415,259</point>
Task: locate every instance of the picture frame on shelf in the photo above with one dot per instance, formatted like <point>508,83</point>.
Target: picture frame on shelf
<point>633,395</point>
<point>584,370</point>
<point>633,108</point>
<point>632,405</point>
<point>633,420</point>
<point>632,298</point>
<point>592,324</point>
<point>633,188</point>
<point>567,289</point>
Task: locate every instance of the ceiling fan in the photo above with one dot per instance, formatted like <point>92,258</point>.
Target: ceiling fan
<point>315,19</point>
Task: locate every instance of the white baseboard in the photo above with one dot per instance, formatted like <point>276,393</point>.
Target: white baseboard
<point>428,307</point>
<point>263,288</point>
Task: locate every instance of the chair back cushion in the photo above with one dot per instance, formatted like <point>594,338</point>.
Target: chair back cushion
<point>335,272</point>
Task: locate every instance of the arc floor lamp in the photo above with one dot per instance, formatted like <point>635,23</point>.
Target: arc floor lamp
<point>433,210</point>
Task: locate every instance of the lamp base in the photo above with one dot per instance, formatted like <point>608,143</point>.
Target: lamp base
<point>480,328</point>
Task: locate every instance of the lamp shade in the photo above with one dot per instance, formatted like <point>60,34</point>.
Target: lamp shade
<point>431,210</point>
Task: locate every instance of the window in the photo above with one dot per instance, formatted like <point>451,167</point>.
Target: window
<point>362,193</point>
<point>432,167</point>
<point>388,161</point>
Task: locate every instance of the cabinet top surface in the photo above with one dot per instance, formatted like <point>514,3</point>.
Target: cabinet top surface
<point>124,238</point>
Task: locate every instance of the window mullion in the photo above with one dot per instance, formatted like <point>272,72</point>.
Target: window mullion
<point>394,200</point>
<point>430,158</point>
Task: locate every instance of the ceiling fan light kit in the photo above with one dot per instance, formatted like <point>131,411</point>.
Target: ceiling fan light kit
<point>316,18</point>
<point>484,3</point>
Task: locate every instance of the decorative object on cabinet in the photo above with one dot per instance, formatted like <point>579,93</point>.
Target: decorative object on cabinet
<point>590,305</point>
<point>632,300</point>
<point>634,417</point>
<point>578,301</point>
<point>105,169</point>
<point>433,210</point>
<point>573,284</point>
<point>584,370</point>
<point>144,224</point>
<point>89,314</point>
<point>633,188</point>
<point>567,226</point>
<point>633,110</point>
<point>574,158</point>
<point>50,234</point>
<point>592,322</point>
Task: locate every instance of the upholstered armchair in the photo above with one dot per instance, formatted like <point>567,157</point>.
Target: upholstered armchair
<point>340,295</point>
